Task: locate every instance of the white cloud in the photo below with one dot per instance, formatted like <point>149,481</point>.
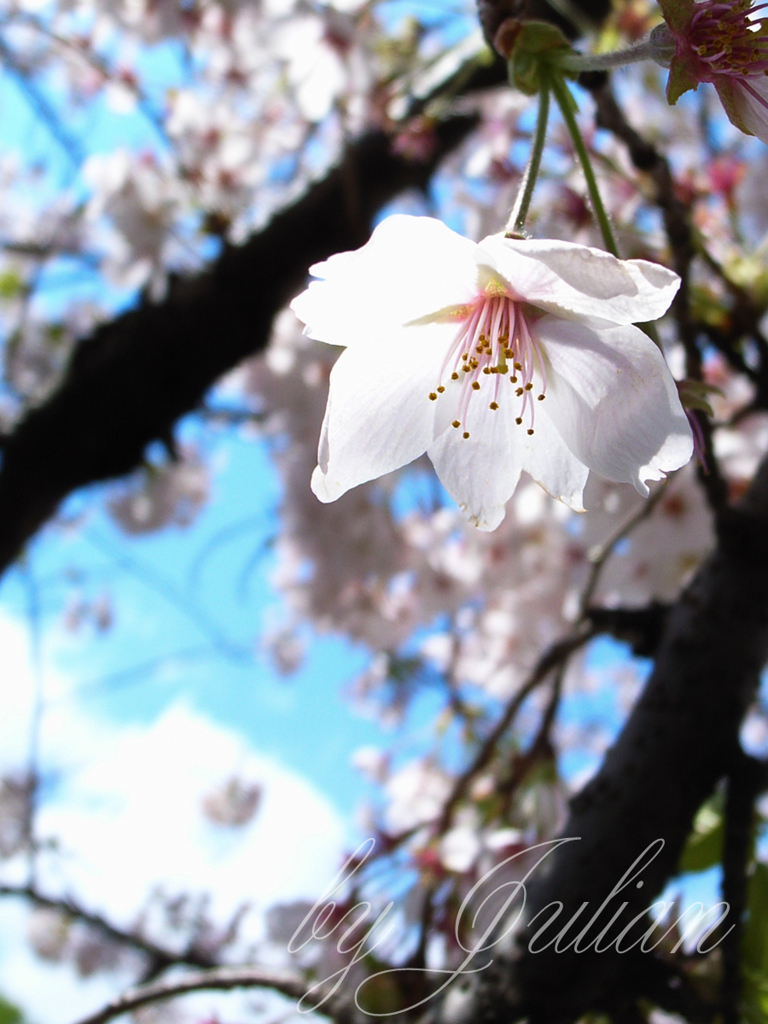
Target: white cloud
<point>128,813</point>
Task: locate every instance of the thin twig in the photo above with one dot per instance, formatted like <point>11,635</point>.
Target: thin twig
<point>550,659</point>
<point>539,747</point>
<point>157,954</point>
<point>600,554</point>
<point>221,979</point>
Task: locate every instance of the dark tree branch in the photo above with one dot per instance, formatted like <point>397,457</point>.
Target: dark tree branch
<point>641,628</point>
<point>131,381</point>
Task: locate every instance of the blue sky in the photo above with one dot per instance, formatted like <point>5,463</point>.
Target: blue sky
<point>180,598</point>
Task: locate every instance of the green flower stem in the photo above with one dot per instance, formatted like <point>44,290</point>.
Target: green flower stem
<point>566,104</point>
<point>519,215</point>
<point>603,61</point>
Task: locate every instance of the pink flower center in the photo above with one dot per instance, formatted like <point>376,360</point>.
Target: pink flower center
<point>494,352</point>
<point>723,39</point>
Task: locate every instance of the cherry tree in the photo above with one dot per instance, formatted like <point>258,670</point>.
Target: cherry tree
<point>490,284</point>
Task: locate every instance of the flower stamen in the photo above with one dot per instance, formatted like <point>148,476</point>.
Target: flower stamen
<point>727,40</point>
<point>493,330</point>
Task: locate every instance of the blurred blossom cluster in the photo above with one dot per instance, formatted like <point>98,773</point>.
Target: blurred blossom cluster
<point>237,105</point>
<point>231,125</point>
<point>171,493</point>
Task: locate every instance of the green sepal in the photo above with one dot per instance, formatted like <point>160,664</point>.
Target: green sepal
<point>694,395</point>
<point>681,79</point>
<point>678,13</point>
<point>536,48</point>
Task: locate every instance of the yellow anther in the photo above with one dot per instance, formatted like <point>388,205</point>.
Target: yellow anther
<point>486,369</point>
<point>479,348</point>
<point>513,378</point>
<point>518,366</point>
<point>465,435</point>
<point>476,385</point>
<point>494,405</point>
<point>455,423</point>
<point>518,392</point>
<point>542,397</point>
<point>455,376</point>
<point>440,390</point>
<point>465,355</point>
<point>466,369</point>
<point>529,386</point>
<point>518,420</point>
<point>432,396</point>
<point>530,431</point>
<point>508,352</point>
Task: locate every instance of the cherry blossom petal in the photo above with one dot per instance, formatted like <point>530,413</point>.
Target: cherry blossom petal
<point>750,99</point>
<point>410,267</point>
<point>379,416</point>
<point>481,472</point>
<point>553,466</point>
<point>614,402</point>
<point>542,454</point>
<point>578,282</point>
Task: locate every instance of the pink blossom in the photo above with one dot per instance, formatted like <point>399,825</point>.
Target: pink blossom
<point>721,43</point>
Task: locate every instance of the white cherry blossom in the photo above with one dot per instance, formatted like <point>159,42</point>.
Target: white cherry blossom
<point>416,794</point>
<point>494,358</point>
